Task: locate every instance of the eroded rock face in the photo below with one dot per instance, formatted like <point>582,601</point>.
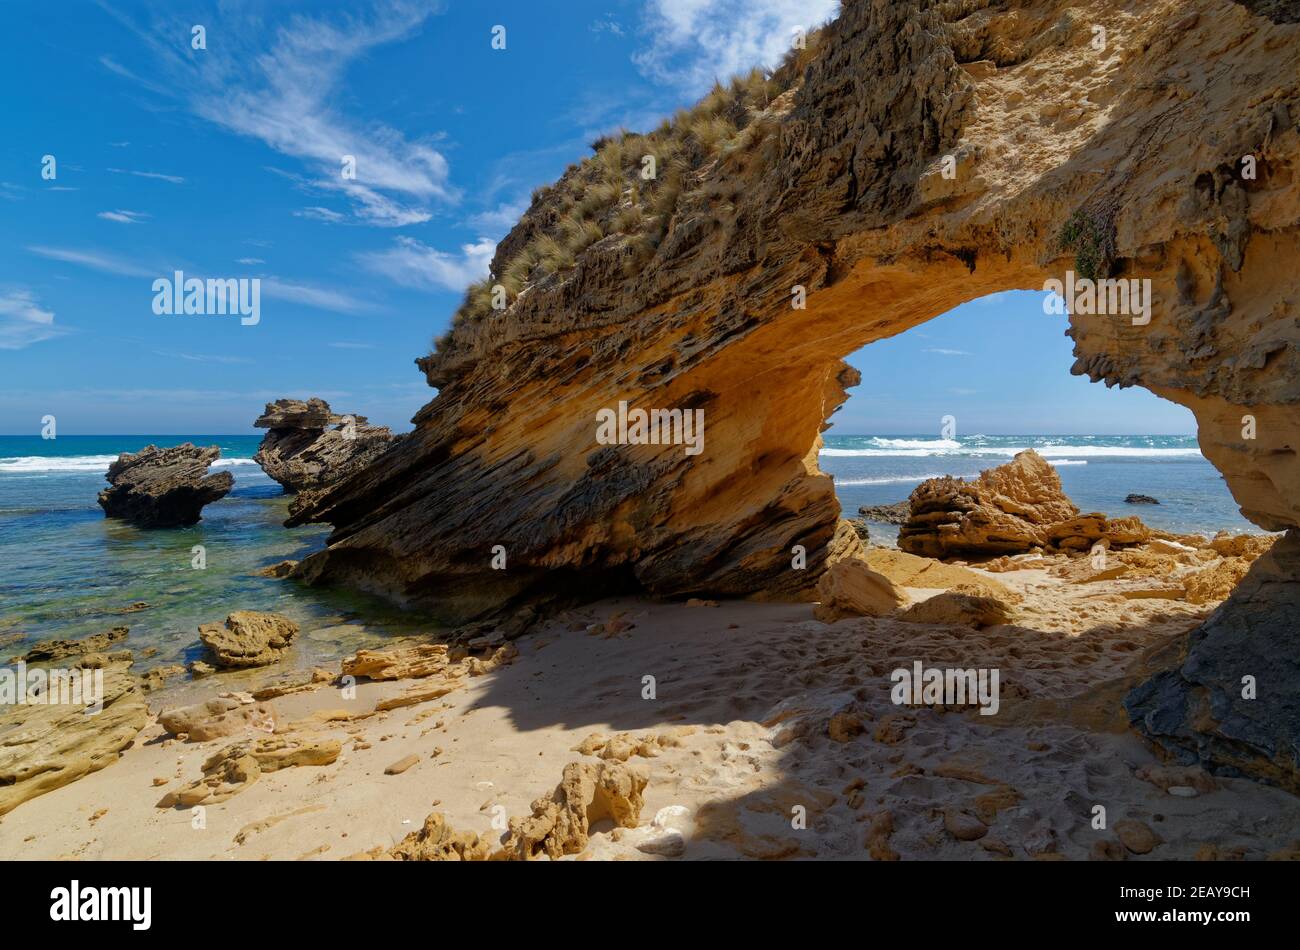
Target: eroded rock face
<point>1006,510</point>
<point>46,746</point>
<point>248,638</point>
<point>309,447</point>
<point>1206,711</point>
<point>164,488</point>
<point>588,792</point>
<point>1118,163</point>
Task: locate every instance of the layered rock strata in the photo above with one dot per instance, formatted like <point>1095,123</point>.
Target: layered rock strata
<point>917,156</point>
<point>308,446</point>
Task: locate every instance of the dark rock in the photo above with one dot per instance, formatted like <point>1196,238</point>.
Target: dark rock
<point>302,452</point>
<point>1197,711</point>
<point>1140,500</point>
<point>164,488</point>
<point>897,513</point>
<point>860,528</point>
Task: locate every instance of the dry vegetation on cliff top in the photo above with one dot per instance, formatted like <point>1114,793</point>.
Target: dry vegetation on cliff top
<point>606,196</point>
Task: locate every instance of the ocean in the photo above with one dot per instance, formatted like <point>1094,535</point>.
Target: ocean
<point>67,571</point>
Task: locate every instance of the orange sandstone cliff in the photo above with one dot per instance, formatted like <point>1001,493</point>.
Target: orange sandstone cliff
<point>915,156</point>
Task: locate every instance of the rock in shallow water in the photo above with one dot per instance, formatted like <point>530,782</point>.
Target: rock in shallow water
<point>302,452</point>
<point>164,488</point>
<point>248,638</point>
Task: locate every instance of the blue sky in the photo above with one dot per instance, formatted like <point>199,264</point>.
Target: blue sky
<point>226,162</point>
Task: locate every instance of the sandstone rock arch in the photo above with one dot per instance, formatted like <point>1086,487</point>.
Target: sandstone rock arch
<point>1121,161</point>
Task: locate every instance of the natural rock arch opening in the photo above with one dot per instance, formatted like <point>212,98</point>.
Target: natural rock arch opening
<point>1124,161</point>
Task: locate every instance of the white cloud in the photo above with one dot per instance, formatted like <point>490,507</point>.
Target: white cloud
<point>22,321</point>
<point>413,264</point>
<point>322,298</point>
<point>95,260</point>
<point>285,94</point>
<point>159,176</point>
<point>319,214</point>
<point>250,261</point>
<point>692,42</point>
<point>500,219</point>
<point>122,216</point>
<point>942,351</point>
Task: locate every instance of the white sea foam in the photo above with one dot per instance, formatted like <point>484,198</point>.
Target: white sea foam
<point>34,464</point>
<point>1047,451</point>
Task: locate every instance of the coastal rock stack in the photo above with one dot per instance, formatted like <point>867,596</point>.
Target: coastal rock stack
<point>164,488</point>
<point>915,157</point>
<point>1011,509</point>
<point>309,447</point>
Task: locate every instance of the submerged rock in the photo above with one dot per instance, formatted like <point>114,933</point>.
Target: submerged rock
<point>248,638</point>
<point>164,488</point>
<point>310,447</point>
<point>897,513</point>
<point>58,649</point>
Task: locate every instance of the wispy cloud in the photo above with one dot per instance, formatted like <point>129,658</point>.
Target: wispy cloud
<point>694,42</point>
<point>158,176</point>
<point>309,295</point>
<point>201,357</point>
<point>943,351</point>
<point>285,94</point>
<point>250,261</point>
<point>413,264</point>
<point>122,216</point>
<point>95,260</point>
<point>291,291</point>
<point>23,321</point>
<point>319,214</point>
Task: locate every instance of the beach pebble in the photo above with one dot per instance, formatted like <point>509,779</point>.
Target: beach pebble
<point>1136,836</point>
<point>964,826</point>
<point>401,765</point>
<point>669,844</point>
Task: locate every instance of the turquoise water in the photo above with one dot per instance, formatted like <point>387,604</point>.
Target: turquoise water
<point>67,571</point>
<point>1097,472</point>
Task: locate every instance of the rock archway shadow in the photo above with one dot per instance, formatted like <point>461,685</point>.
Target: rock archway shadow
<point>920,156</point>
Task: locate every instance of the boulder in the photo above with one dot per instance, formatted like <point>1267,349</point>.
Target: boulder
<point>218,718</point>
<point>309,447</point>
<point>850,588</point>
<point>1006,510</point>
<point>234,768</point>
<point>588,792</point>
<point>248,638</point>
<point>1140,500</point>
<point>1232,705</point>
<point>960,608</point>
<point>164,488</point>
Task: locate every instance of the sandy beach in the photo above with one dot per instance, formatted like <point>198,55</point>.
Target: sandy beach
<point>759,709</point>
